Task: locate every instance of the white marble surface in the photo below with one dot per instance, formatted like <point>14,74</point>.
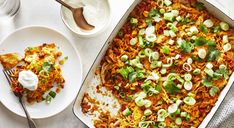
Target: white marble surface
<point>47,13</point>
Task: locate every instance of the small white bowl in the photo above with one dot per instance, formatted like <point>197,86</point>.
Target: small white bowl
<point>68,19</point>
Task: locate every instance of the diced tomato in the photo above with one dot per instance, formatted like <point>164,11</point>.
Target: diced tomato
<point>17,89</point>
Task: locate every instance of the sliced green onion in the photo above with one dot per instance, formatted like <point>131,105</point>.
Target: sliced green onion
<point>179,86</point>
<point>193,30</point>
<point>162,11</point>
<point>145,124</point>
<point>172,27</point>
<point>133,41</point>
<point>166,33</point>
<point>225,39</point>
<point>163,71</point>
<point>124,58</point>
<point>165,49</point>
<point>162,125</point>
<point>227,47</point>
<point>134,21</point>
<point>150,30</point>
<point>171,42</point>
<point>127,112</point>
<point>151,37</point>
<point>202,53</point>
<point>172,108</point>
<point>48,99</point>
<point>178,102</point>
<point>141,43</point>
<point>147,112</point>
<point>132,77</point>
<point>122,94</point>
<point>213,91</point>
<point>141,95</point>
<point>167,2</point>
<point>187,77</point>
<point>209,72</point>
<point>209,65</point>
<point>147,103</point>
<point>178,121</point>
<point>157,18</point>
<point>162,114</point>
<point>188,85</point>
<point>141,54</point>
<point>189,60</point>
<point>124,72</point>
<point>208,23</point>
<point>141,32</point>
<point>178,18</point>
<point>189,101</point>
<point>172,33</point>
<point>224,26</point>
<point>183,114</point>
<point>175,12</point>
<point>222,66</point>
<point>148,51</point>
<point>52,94</point>
<point>169,16</point>
<point>154,56</point>
<point>190,94</point>
<point>139,102</point>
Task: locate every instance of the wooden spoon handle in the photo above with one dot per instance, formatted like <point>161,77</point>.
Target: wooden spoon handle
<point>66,5</point>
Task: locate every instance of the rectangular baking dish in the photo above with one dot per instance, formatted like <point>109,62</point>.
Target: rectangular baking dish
<point>91,81</point>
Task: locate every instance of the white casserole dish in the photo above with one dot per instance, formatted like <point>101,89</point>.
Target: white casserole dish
<point>91,80</point>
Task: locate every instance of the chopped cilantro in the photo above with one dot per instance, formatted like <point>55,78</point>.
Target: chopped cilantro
<point>200,41</point>
<point>213,54</point>
<point>204,28</point>
<point>199,6</point>
<point>207,82</point>
<point>186,47</point>
<point>171,87</point>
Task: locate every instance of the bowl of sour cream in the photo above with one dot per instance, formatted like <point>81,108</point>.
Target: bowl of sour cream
<point>96,13</point>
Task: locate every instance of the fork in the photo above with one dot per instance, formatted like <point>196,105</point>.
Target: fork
<point>8,74</point>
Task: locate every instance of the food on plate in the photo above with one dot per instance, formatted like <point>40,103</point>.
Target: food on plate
<point>10,60</point>
<point>166,67</point>
<point>39,75</point>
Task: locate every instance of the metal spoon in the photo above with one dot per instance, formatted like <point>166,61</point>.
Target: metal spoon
<point>78,16</point>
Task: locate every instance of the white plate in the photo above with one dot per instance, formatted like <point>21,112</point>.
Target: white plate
<point>72,70</point>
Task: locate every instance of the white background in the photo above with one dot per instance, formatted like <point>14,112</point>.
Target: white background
<point>47,13</point>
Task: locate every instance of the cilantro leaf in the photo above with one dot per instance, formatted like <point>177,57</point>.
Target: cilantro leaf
<point>204,28</point>
<point>186,47</point>
<point>224,72</point>
<point>171,87</point>
<point>200,41</point>
<point>213,54</point>
<point>207,82</point>
<point>148,21</point>
<point>199,6</point>
<point>153,12</point>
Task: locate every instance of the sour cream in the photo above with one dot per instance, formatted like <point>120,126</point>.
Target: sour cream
<point>94,11</point>
<point>28,80</point>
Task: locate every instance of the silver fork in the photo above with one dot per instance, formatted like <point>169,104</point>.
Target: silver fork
<point>8,74</point>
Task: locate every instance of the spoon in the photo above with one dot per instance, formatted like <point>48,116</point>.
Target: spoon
<point>78,16</point>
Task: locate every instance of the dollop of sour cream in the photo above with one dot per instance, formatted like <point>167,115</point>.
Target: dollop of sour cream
<point>94,11</point>
<point>28,80</point>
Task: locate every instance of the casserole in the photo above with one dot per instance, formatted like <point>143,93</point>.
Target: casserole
<point>92,82</point>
